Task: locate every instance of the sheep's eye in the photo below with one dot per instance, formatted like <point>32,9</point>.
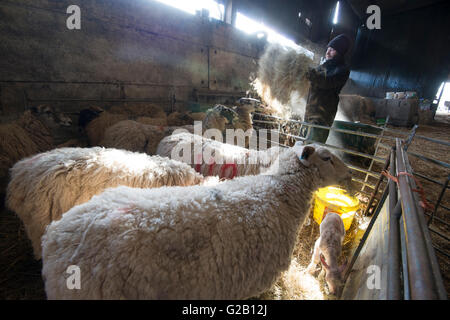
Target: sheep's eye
<point>327,159</point>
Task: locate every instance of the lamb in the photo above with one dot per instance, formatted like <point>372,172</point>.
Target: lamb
<point>228,241</point>
<point>45,186</point>
<point>226,160</point>
<point>138,137</point>
<point>327,250</point>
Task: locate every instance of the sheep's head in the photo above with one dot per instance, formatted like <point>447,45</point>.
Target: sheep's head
<point>250,105</point>
<point>50,116</point>
<point>334,276</point>
<point>332,170</point>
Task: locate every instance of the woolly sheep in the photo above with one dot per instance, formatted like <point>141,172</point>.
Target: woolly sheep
<point>226,160</point>
<point>228,241</point>
<point>45,186</point>
<point>134,136</point>
<point>179,119</point>
<point>95,129</point>
<point>139,110</point>
<point>327,250</point>
<point>29,134</point>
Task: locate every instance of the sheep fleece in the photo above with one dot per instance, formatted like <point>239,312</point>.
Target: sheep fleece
<point>248,161</point>
<point>228,241</point>
<point>45,186</point>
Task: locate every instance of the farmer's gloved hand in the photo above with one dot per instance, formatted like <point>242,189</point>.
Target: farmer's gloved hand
<point>310,74</point>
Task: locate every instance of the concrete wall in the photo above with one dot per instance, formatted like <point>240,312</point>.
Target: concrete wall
<point>137,50</point>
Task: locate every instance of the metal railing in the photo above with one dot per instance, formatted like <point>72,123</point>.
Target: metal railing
<point>410,255</point>
<point>369,172</point>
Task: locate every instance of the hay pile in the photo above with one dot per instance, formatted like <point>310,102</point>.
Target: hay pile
<point>280,80</point>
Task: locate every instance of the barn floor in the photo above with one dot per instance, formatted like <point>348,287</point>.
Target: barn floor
<point>20,274</point>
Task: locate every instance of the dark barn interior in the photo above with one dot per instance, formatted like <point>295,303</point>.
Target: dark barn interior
<point>160,67</point>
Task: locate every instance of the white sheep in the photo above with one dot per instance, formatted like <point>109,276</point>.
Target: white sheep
<point>213,158</point>
<point>228,241</point>
<point>327,250</point>
<point>138,137</point>
<point>46,185</point>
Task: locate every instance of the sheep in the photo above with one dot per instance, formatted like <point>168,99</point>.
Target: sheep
<point>139,110</point>
<point>226,161</point>
<point>134,136</point>
<point>327,250</point>
<point>197,116</point>
<point>220,117</point>
<point>46,185</point>
<point>95,129</point>
<point>153,121</point>
<point>28,135</point>
<point>95,121</point>
<point>228,241</point>
<point>179,119</point>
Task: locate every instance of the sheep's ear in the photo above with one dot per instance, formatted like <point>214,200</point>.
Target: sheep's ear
<point>306,152</point>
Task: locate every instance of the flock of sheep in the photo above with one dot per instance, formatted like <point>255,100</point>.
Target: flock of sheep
<point>141,225</point>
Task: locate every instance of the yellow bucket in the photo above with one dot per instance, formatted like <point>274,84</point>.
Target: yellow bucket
<point>333,199</point>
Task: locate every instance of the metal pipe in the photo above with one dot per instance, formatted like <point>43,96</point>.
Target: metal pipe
<point>438,162</point>
<point>422,285</point>
<point>445,143</point>
<point>357,133</point>
<point>441,195</point>
<point>356,153</point>
<point>429,179</point>
<point>369,205</point>
<point>370,173</point>
<point>393,291</point>
<point>435,269</point>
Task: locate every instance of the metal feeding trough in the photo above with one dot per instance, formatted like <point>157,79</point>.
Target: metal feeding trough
<point>363,144</point>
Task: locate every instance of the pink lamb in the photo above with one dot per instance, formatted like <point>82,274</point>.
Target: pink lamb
<point>327,250</point>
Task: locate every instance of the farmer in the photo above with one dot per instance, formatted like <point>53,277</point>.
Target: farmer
<point>326,81</point>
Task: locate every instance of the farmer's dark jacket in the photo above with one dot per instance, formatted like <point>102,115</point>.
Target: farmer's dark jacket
<point>326,81</point>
